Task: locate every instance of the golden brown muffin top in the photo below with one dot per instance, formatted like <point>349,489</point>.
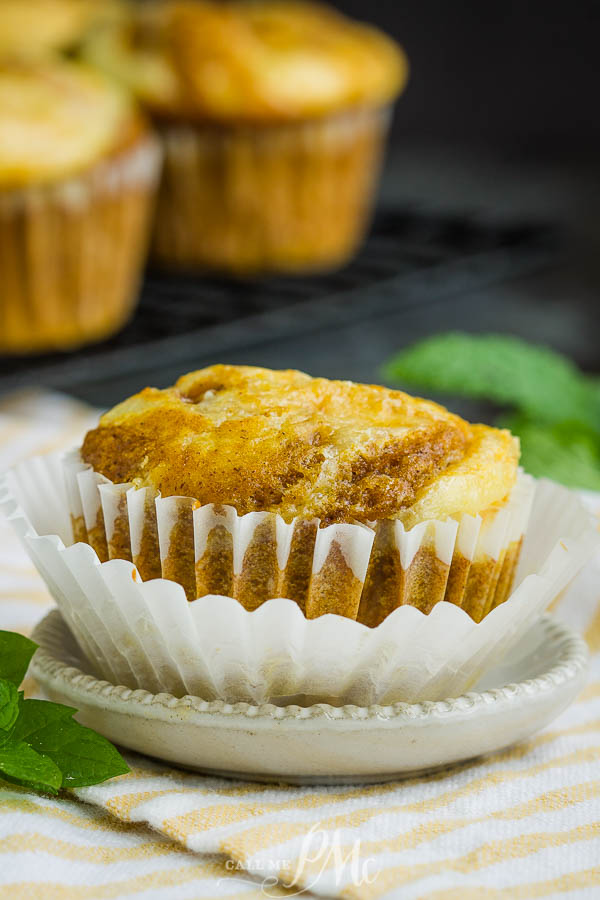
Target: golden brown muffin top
<point>33,28</point>
<point>56,119</point>
<point>258,440</point>
<point>249,60</point>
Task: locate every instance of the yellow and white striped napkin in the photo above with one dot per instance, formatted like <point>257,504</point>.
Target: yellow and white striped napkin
<point>524,823</point>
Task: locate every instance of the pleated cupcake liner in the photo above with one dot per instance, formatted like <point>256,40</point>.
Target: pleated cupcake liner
<point>147,634</point>
<point>72,252</point>
<point>248,198</point>
<point>358,571</point>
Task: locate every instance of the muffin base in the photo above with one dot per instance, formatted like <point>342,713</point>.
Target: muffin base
<point>291,197</point>
<point>351,570</point>
<point>71,253</point>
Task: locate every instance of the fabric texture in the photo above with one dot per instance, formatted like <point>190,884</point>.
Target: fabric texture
<point>523,823</point>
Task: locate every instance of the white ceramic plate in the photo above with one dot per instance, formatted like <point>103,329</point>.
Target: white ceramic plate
<point>322,743</point>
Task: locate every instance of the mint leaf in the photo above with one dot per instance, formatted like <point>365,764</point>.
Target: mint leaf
<point>9,705</point>
<point>15,655</point>
<point>36,715</point>
<point>83,756</point>
<point>539,382</point>
<point>566,453</point>
<point>20,764</point>
<point>41,745</point>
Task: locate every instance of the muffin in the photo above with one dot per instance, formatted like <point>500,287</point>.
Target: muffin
<point>78,173</point>
<point>346,498</point>
<point>33,29</point>
<point>273,117</point>
<point>197,541</point>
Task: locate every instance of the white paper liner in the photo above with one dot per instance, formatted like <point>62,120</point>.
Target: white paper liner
<point>147,634</point>
<point>473,558</point>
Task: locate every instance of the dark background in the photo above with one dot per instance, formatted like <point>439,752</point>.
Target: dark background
<point>521,78</point>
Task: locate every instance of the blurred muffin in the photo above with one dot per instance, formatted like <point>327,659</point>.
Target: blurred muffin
<point>78,170</point>
<point>30,29</point>
<point>273,116</point>
<point>422,506</point>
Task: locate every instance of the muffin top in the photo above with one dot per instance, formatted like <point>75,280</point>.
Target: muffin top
<point>33,28</point>
<point>56,118</point>
<point>247,60</point>
<point>284,442</point>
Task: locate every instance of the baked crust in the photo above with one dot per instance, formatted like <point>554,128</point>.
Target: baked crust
<point>249,60</point>
<point>57,119</point>
<point>31,29</point>
<point>284,442</point>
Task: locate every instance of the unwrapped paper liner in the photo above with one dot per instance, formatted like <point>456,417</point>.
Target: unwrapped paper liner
<point>147,635</point>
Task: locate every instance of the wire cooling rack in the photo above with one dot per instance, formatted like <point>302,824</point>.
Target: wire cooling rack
<point>184,319</point>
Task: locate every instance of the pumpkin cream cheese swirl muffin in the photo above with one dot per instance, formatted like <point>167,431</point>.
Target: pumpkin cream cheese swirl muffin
<point>273,116</point>
<point>319,465</point>
<point>78,169</point>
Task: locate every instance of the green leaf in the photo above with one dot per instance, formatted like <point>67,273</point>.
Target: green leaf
<point>15,654</point>
<point>36,715</point>
<point>566,452</point>
<point>537,381</point>
<point>83,756</point>
<point>41,745</point>
<point>21,764</point>
<point>9,704</point>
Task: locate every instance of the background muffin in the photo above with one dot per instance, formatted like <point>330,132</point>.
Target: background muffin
<point>30,29</point>
<point>421,506</point>
<point>78,170</point>
<point>272,115</point>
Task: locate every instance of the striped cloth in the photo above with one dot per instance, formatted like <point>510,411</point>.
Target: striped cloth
<point>524,823</point>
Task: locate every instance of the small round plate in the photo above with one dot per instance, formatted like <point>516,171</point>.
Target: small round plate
<point>322,744</point>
